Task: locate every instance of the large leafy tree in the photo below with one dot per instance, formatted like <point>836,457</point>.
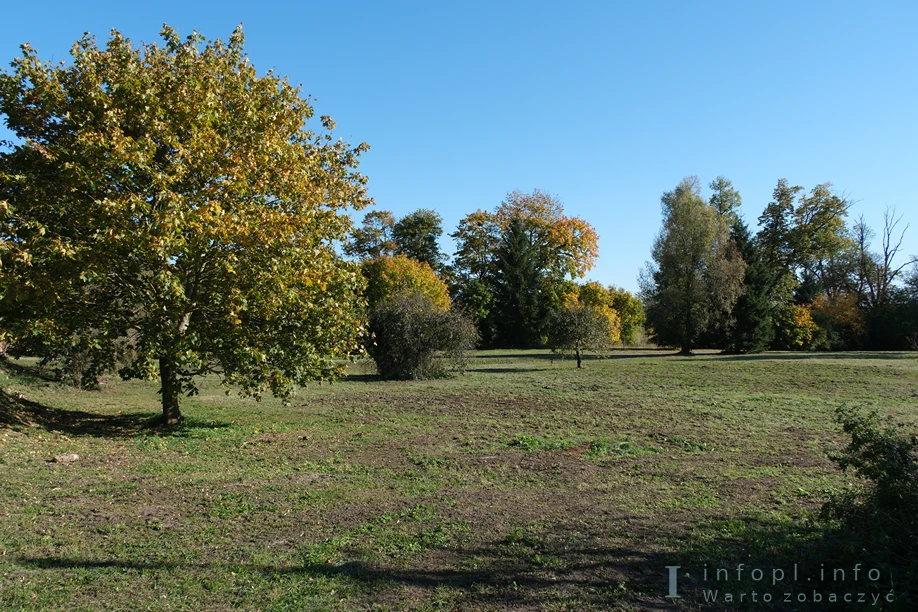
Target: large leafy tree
<point>388,277</point>
<point>558,249</point>
<point>168,210</point>
<point>801,234</point>
<point>416,236</point>
<point>696,270</point>
<point>750,329</point>
<point>520,308</point>
<point>374,236</point>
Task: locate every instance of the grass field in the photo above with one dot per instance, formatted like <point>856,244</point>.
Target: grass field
<point>523,485</point>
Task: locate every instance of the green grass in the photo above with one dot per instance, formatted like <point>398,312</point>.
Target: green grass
<point>524,484</point>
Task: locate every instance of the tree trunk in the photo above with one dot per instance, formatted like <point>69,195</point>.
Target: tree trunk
<point>171,387</point>
<point>579,362</point>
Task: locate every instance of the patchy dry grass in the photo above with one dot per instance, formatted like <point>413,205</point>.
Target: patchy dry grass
<point>524,485</point>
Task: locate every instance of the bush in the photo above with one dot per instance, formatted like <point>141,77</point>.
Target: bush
<point>415,339</point>
<point>885,459</point>
<point>879,519</point>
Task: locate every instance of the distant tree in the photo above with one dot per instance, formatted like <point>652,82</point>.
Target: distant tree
<point>558,249</point>
<point>794,327</point>
<point>878,272</point>
<point>725,199</point>
<point>842,324</point>
<point>474,297</point>
<point>414,338</point>
<point>799,238</point>
<point>599,298</point>
<point>565,247</point>
<point>751,329</point>
<point>166,205</point>
<point>388,277</point>
<point>776,239</point>
<point>630,312</point>
<point>477,240</point>
<point>696,270</point>
<point>374,238</point>
<point>578,328</point>
<point>520,306</point>
<point>416,236</point>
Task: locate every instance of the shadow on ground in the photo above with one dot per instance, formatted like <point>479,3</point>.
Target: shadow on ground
<point>808,356</point>
<point>17,412</point>
<point>565,565</point>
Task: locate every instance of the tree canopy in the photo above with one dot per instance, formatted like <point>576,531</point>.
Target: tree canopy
<point>390,276</point>
<point>416,236</point>
<point>516,265</point>
<point>167,210</point>
<point>696,269</point>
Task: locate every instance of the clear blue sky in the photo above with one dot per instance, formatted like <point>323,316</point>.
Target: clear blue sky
<point>604,104</point>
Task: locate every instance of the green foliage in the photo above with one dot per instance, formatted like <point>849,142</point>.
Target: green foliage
<point>879,519</point>
<point>884,457</point>
<point>414,339</point>
<point>794,327</point>
<point>526,254</point>
<point>520,305</point>
<point>630,312</point>
<point>374,238</point>
<point>750,330</point>
<point>391,276</point>
<point>579,328</point>
<point>475,298</point>
<point>725,199</point>
<point>696,271</point>
<point>167,204</point>
<point>416,236</point>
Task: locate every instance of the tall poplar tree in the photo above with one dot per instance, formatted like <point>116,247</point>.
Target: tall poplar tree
<point>695,271</point>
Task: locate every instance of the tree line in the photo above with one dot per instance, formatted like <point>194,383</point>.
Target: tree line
<point>515,269</point>
<point>807,280</point>
<point>167,213</point>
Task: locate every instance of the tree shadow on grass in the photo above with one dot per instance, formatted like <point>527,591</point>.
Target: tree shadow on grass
<point>360,377</point>
<point>487,370</point>
<point>33,371</point>
<point>565,565</point>
<point>17,412</point>
<point>811,356</point>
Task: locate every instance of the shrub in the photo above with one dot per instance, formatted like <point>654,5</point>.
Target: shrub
<point>415,339</point>
<point>883,457</point>
<point>879,519</point>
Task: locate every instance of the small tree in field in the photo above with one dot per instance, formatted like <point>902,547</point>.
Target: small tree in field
<point>579,328</point>
<point>169,207</point>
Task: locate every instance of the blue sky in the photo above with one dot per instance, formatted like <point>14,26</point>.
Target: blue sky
<point>604,104</point>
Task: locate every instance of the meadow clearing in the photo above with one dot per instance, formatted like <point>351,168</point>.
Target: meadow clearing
<point>524,484</point>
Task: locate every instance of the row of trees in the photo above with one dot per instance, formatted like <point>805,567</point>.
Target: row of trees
<point>513,270</point>
<point>806,280</point>
<point>165,212</point>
